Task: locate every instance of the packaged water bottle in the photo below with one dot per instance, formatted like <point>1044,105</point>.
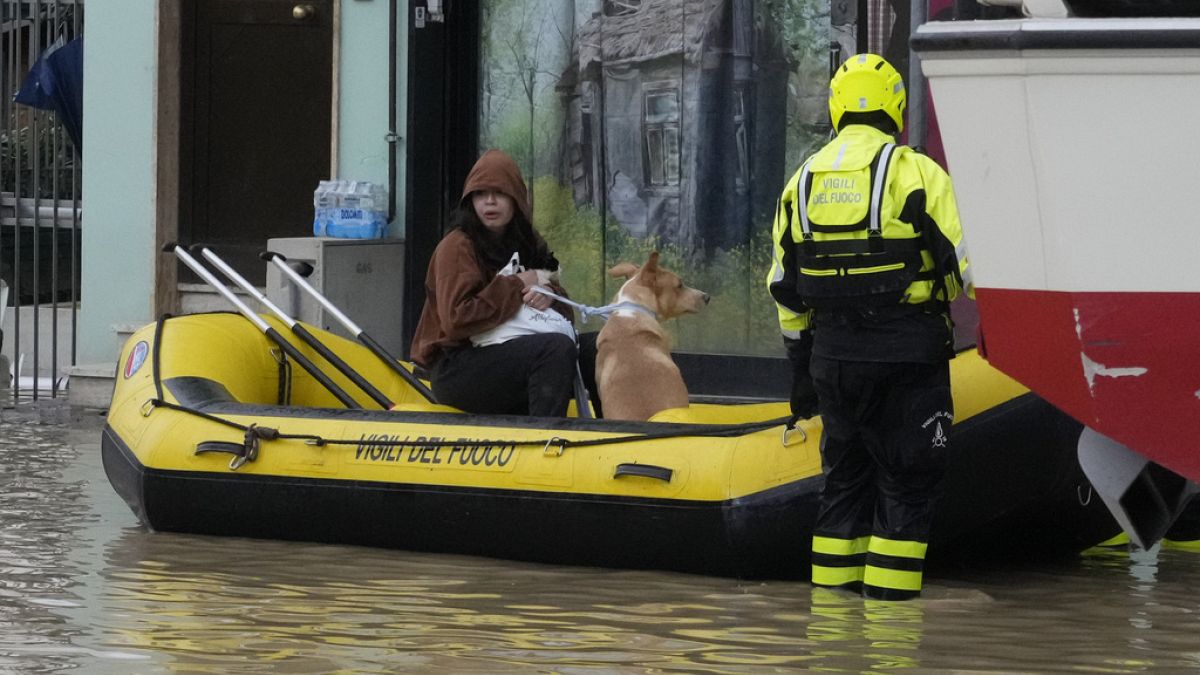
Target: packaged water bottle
<point>337,218</point>
<point>348,220</point>
<point>324,198</point>
<point>360,211</point>
<point>379,224</point>
<point>372,201</point>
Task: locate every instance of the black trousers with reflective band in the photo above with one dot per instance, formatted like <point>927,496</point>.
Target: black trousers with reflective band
<point>884,447</point>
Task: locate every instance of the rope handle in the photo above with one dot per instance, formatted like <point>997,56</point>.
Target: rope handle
<point>253,434</point>
<point>587,311</point>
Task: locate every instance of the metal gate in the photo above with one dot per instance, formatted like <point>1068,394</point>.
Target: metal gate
<point>40,195</point>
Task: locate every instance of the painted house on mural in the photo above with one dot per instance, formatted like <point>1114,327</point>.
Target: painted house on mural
<point>702,86</point>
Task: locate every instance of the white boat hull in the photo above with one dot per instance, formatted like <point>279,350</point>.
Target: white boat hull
<point>1075,165</point>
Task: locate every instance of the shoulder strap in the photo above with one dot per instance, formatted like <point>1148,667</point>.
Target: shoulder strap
<point>803,185</point>
<point>878,181</point>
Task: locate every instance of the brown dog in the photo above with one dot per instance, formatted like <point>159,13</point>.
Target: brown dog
<point>634,371</point>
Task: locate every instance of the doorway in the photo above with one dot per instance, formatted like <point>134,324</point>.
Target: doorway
<point>255,123</point>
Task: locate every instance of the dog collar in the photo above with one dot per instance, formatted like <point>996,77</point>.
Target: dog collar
<point>611,309</point>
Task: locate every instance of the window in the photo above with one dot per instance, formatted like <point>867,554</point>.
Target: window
<point>621,7</point>
<point>661,128</point>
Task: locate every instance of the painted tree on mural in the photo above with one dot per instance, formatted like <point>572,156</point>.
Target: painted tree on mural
<point>525,45</point>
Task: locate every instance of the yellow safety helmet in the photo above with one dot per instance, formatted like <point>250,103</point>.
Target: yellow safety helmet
<point>866,83</point>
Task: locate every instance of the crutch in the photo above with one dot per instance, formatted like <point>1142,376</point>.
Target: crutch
<point>262,325</point>
<point>280,262</point>
<point>296,327</point>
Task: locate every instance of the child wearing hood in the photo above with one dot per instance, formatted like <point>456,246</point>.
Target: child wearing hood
<point>464,296</point>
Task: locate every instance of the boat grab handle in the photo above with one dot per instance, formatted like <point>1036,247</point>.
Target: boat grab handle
<point>645,470</point>
<point>246,451</point>
<point>241,454</point>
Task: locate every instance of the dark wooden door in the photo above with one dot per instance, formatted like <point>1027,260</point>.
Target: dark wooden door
<point>256,123</point>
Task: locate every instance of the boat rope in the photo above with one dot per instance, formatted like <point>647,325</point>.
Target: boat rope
<point>587,311</point>
<point>697,430</point>
<point>156,365</point>
<point>253,435</point>
<point>284,396</point>
<point>266,433</point>
<point>1083,501</point>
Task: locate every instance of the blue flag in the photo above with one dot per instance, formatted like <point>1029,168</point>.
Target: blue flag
<point>55,82</point>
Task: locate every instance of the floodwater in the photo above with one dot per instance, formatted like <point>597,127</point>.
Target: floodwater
<point>84,587</point>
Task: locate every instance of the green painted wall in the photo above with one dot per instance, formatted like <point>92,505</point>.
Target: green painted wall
<point>119,77</point>
<point>363,101</point>
<point>120,92</point>
<point>362,152</point>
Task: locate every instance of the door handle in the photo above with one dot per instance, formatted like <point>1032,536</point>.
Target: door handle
<point>302,12</point>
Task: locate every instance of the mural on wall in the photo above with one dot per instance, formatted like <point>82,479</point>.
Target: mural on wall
<point>663,124</point>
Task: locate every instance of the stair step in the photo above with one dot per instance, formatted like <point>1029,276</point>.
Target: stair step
<point>90,385</point>
<point>197,298</point>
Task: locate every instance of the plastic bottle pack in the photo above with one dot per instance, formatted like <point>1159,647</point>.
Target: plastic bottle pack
<point>349,210</point>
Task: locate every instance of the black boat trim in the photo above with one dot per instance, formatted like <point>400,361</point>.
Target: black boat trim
<point>1087,36</point>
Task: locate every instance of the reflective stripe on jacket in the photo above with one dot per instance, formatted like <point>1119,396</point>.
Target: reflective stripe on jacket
<point>794,316</point>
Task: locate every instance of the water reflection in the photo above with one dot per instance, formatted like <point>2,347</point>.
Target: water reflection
<point>83,586</point>
<point>200,599</point>
<point>43,508</point>
<point>880,635</point>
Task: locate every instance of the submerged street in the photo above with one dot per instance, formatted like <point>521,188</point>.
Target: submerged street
<point>83,586</point>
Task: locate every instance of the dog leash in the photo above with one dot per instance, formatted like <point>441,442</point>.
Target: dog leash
<point>587,311</point>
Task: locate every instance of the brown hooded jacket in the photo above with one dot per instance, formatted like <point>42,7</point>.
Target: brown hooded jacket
<point>462,296</point>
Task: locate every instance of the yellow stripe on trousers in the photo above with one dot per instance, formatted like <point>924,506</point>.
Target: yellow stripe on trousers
<point>884,577</point>
<point>900,580</point>
<point>835,576</point>
<point>835,546</point>
<point>898,548</point>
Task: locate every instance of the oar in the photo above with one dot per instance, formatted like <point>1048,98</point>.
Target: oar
<point>296,327</point>
<point>280,261</point>
<point>262,325</point>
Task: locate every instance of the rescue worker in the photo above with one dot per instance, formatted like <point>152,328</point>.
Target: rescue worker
<point>869,252</point>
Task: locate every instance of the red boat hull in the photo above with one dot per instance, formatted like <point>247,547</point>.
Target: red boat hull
<point>1126,364</point>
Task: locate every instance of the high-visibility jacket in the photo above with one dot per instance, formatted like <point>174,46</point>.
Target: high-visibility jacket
<point>792,322</point>
<point>866,223</point>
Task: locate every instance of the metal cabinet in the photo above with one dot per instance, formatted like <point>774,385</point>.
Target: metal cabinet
<point>364,278</point>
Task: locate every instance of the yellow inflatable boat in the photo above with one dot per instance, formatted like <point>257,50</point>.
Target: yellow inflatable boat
<point>212,430</point>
